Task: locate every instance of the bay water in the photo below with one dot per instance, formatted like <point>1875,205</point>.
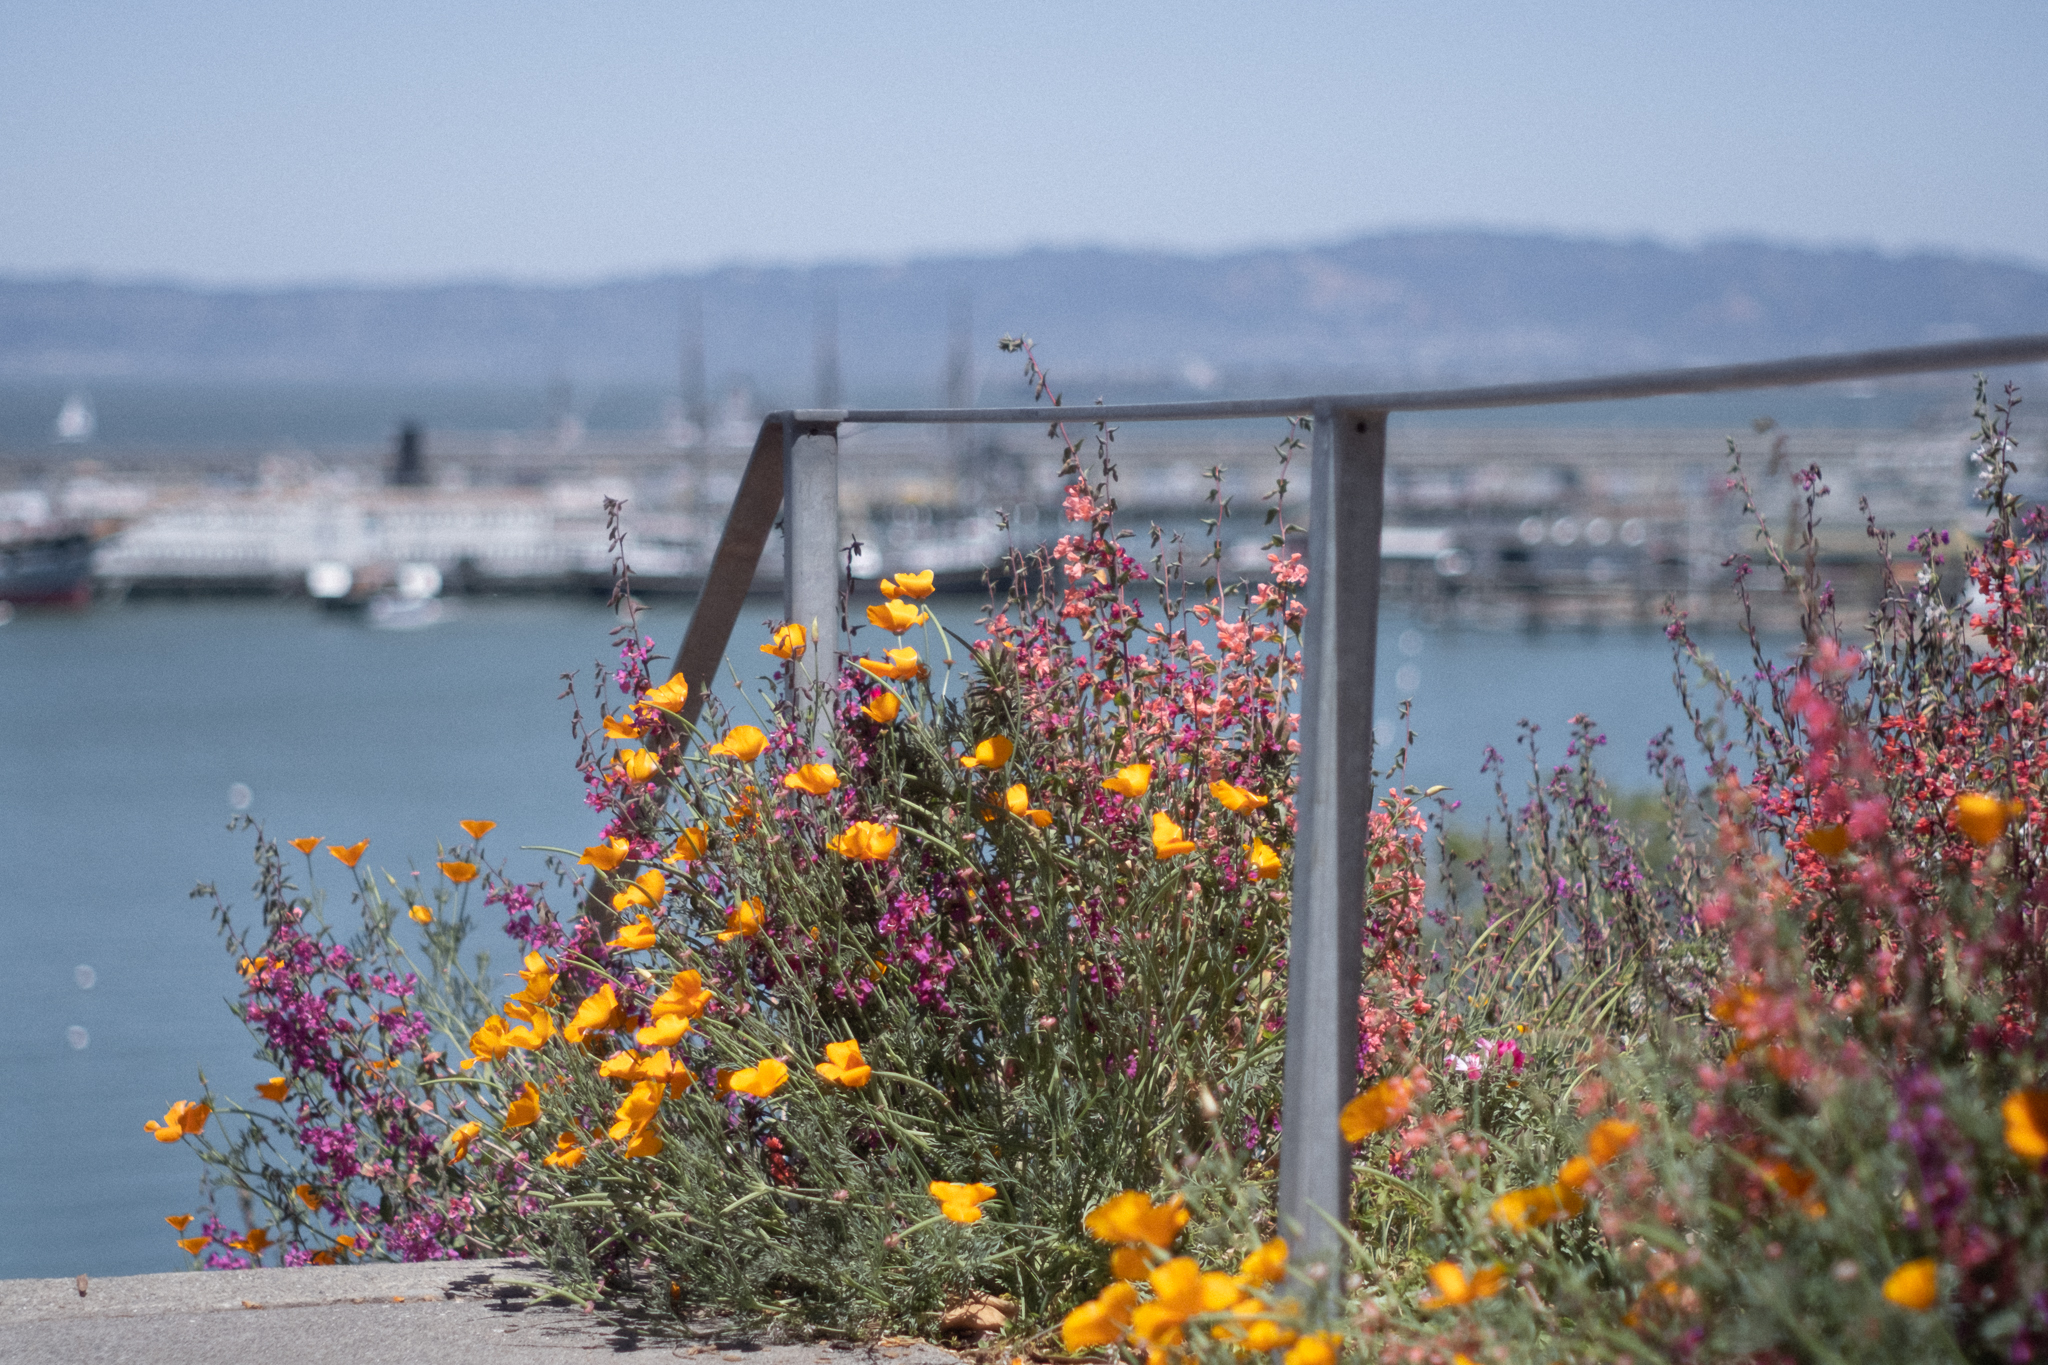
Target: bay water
<point>130,733</point>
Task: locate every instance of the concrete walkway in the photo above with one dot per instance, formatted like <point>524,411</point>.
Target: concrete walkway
<point>439,1313</point>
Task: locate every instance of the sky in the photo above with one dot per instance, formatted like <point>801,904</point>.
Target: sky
<point>267,141</point>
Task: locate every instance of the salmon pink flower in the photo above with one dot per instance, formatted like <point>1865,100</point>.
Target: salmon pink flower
<point>350,855</point>
<point>743,742</point>
<point>1130,781</point>
<point>787,643</point>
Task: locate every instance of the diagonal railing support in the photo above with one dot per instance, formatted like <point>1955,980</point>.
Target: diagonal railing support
<point>733,565</point>
<point>1333,805</point>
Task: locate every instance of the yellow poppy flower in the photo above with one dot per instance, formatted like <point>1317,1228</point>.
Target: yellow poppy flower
<point>864,841</point>
<point>815,778</point>
<point>1265,863</point>
<point>761,1080</point>
<point>1130,1263</point>
<point>461,1140</point>
<point>638,1109</point>
<point>1524,1209</point>
<point>1830,841</point>
<point>636,937</point>
<point>183,1119</point>
<point>685,996</point>
<point>1609,1139</point>
<point>1916,1285</point>
<point>1454,1288</point>
<point>178,1220</point>
<point>896,617</point>
<point>787,642</point>
<point>605,856</point>
<point>195,1245</point>
<point>744,920</point>
<point>488,1042</point>
<point>960,1203</point>
<point>351,855</point>
<point>599,1013</point>
<point>647,1142</point>
<point>1236,798</point>
<point>639,764</point>
<point>525,1110</point>
<point>918,585</point>
<point>477,829</point>
<point>2026,1123</point>
<point>539,976</point>
<point>902,665</point>
<point>1263,1334</point>
<point>663,1032</point>
<point>536,1026</point>
<point>1018,799</point>
<point>253,1241</point>
<point>844,1065</point>
<point>309,1197</point>
<point>1102,1320</point>
<point>619,727</point>
<point>1377,1109</point>
<point>646,889</point>
<point>420,914</point>
<point>1133,1219</point>
<point>568,1153</point>
<point>691,845</point>
<point>274,1088</point>
<point>1167,840</point>
<point>743,742</point>
<point>1181,1290</point>
<point>1317,1348</point>
<point>1267,1265</point>
<point>1983,817</point>
<point>1572,1179</point>
<point>305,845</point>
<point>883,708</point>
<point>992,752</point>
<point>668,696</point>
<point>1130,781</point>
<point>458,872</point>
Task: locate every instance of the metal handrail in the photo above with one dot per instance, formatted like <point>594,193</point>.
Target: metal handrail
<point>794,468</point>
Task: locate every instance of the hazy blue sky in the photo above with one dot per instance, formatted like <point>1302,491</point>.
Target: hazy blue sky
<point>273,139</point>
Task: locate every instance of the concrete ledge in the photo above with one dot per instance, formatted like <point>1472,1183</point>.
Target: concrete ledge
<point>444,1312</point>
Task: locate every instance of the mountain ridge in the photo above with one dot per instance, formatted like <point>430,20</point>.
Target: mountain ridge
<point>1388,308</point>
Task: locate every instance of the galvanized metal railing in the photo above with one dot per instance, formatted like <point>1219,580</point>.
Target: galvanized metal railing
<point>794,469</point>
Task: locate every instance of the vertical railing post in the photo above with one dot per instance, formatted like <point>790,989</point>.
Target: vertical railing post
<point>1333,797</point>
<point>810,546</point>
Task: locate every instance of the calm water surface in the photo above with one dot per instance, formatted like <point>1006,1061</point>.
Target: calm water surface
<point>125,732</point>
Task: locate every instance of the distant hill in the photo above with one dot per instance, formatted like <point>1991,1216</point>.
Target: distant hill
<point>1401,307</point>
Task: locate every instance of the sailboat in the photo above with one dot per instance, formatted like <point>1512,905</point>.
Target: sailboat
<point>75,420</point>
